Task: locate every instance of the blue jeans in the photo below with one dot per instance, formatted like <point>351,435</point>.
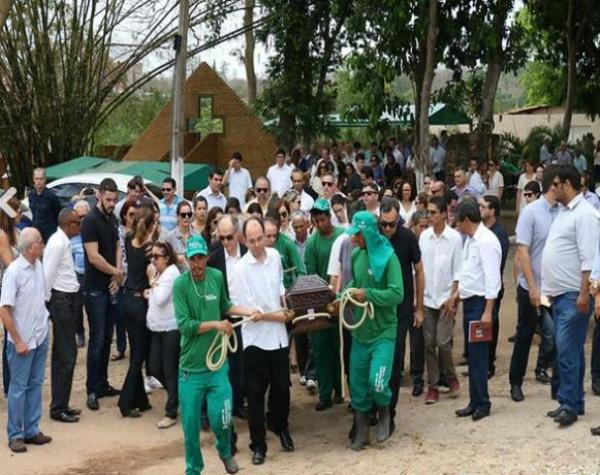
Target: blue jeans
<point>570,331</point>
<point>101,310</point>
<point>546,353</point>
<point>478,358</point>
<point>25,391</point>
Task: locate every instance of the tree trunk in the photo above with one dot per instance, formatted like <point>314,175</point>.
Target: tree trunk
<point>249,50</point>
<point>422,154</point>
<point>4,10</point>
<point>486,116</point>
<point>287,131</point>
<point>571,72</point>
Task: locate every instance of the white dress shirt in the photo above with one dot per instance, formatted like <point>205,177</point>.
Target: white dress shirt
<point>441,257</point>
<point>231,263</point>
<point>161,312</point>
<point>214,199</point>
<point>239,182</point>
<point>260,286</point>
<point>280,178</point>
<point>59,269</point>
<point>479,274</point>
<point>477,184</point>
<point>570,247</point>
<point>24,289</point>
<point>306,202</point>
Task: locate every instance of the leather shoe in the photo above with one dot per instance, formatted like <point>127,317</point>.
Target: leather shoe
<point>134,413</point>
<point>17,446</point>
<point>554,413</point>
<point>516,393</point>
<point>38,439</point>
<point>321,406</point>
<point>64,417</point>
<point>258,457</point>
<point>110,392</point>
<point>480,414</point>
<point>287,443</point>
<point>417,389</point>
<point>565,418</point>
<point>466,412</point>
<point>231,465</point>
<point>595,430</point>
<point>92,402</point>
<point>73,412</point>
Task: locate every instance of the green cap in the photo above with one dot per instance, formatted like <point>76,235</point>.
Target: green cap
<point>195,245</point>
<point>322,206</point>
<point>360,221</point>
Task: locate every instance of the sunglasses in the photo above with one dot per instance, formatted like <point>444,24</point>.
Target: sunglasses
<point>327,183</point>
<point>186,215</point>
<point>166,190</point>
<point>228,237</point>
<point>262,190</point>
<point>388,224</point>
<point>528,194</point>
<point>368,193</point>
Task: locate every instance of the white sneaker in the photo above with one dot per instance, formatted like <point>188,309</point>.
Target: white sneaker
<point>147,387</point>
<point>302,380</point>
<point>153,382</point>
<point>166,423</point>
<point>311,384</point>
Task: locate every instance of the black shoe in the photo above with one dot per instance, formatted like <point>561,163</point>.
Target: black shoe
<point>596,388</point>
<point>92,402</point>
<point>480,414</point>
<point>543,377</point>
<point>285,438</point>
<point>73,412</point>
<point>321,406</point>
<point>466,412</point>
<point>565,418</point>
<point>64,417</point>
<point>417,389</point>
<point>491,372</point>
<point>109,392</point>
<point>595,430</point>
<point>231,465</point>
<point>134,413</point>
<point>338,400</point>
<point>513,338</point>
<point>258,457</point>
<point>145,407</point>
<point>554,413</point>
<point>516,393</point>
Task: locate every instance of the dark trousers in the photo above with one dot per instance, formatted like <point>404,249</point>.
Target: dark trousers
<point>595,363</point>
<point>100,309</point>
<point>63,313</point>
<point>236,373</point>
<point>120,322</point>
<point>79,329</point>
<point>478,358</point>
<point>495,330</point>
<point>164,365</point>
<point>133,394</point>
<point>5,367</point>
<point>266,369</point>
<point>528,318</point>
<point>406,325</point>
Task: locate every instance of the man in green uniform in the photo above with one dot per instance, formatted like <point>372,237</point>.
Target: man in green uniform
<point>326,342</point>
<point>377,276</point>
<point>200,298</point>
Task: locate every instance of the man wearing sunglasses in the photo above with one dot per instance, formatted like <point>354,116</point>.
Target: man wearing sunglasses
<point>370,196</point>
<point>168,205</point>
<point>410,316</point>
<point>212,193</point>
<point>262,187</point>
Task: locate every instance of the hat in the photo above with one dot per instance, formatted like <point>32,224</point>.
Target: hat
<point>195,245</point>
<point>361,221</point>
<point>321,206</point>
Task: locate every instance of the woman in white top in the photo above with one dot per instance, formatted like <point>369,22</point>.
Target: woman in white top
<point>163,360</point>
<point>407,202</point>
<point>495,181</point>
<point>526,177</point>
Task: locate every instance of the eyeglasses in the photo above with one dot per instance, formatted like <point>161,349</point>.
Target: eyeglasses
<point>166,190</point>
<point>228,237</point>
<point>262,190</point>
<point>368,193</point>
<point>157,256</point>
<point>283,214</point>
<point>527,194</point>
<point>327,183</point>
<point>186,215</point>
<point>388,224</point>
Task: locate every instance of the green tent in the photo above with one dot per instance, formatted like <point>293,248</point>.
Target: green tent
<point>195,174</point>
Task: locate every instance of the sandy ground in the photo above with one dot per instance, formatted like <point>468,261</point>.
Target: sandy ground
<point>517,438</point>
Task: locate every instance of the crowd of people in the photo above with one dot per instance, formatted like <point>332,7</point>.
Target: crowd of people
<point>171,275</point>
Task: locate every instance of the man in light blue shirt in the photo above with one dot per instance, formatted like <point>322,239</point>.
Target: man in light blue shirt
<point>580,162</point>
<point>168,205</point>
<point>81,208</point>
<point>25,317</point>
<point>566,264</point>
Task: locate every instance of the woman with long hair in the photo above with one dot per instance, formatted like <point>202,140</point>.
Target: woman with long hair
<point>164,335</point>
<point>315,181</point>
<point>138,246</point>
<point>280,209</point>
<point>407,202</point>
<point>200,206</point>
<point>210,231</point>
<point>179,235</point>
<point>9,238</point>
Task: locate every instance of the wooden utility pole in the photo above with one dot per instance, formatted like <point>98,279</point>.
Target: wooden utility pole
<point>178,116</point>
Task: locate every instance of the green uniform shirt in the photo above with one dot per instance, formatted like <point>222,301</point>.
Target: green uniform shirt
<point>385,295</point>
<point>290,260</point>
<point>192,307</point>
<point>318,249</point>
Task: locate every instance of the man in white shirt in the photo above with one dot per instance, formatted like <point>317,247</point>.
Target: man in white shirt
<point>566,264</point>
<point>279,174</point>
<point>437,160</point>
<point>25,318</point>
<point>441,254</point>
<point>212,193</point>
<point>475,180</point>
<point>479,282</point>
<point>306,201</point>
<point>238,179</point>
<point>61,294</point>
<point>266,364</point>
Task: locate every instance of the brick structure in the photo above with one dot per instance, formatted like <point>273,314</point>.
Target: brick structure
<point>242,130</point>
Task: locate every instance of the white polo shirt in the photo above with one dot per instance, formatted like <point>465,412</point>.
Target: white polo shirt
<point>280,178</point>
<point>59,270</point>
<point>239,182</point>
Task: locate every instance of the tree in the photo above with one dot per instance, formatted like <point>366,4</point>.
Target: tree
<point>306,36</point>
<point>249,50</point>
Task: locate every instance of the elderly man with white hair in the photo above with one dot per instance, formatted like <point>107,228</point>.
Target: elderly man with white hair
<point>25,317</point>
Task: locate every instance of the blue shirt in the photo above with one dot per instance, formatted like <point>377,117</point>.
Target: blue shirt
<point>168,213</point>
<point>532,230</point>
<point>78,254</point>
<point>44,209</point>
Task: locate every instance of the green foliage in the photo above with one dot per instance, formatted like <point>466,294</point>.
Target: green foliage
<point>464,94</point>
<point>544,84</point>
<point>130,119</point>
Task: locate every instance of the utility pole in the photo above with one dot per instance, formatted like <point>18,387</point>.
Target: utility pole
<point>178,115</point>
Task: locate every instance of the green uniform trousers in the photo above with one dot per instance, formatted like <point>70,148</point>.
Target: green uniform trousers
<point>194,387</point>
<point>370,371</point>
<point>327,362</point>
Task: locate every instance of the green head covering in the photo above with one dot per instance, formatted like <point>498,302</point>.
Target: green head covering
<point>379,248</point>
<point>195,245</point>
<point>321,206</point>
